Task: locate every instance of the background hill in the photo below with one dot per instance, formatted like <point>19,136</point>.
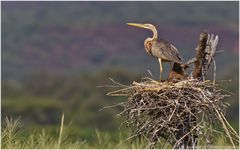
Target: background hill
<point>55,54</point>
<point>38,35</point>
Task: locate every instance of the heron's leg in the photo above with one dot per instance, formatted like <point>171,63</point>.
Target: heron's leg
<point>161,68</point>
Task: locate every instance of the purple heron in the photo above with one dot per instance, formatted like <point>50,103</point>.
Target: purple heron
<point>159,48</point>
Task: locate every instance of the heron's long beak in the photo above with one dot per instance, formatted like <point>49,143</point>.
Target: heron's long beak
<point>137,25</point>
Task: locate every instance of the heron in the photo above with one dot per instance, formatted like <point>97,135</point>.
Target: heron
<point>159,48</point>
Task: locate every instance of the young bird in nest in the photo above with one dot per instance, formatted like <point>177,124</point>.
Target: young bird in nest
<point>177,73</point>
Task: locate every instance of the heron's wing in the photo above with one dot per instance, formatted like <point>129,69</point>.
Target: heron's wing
<point>167,51</point>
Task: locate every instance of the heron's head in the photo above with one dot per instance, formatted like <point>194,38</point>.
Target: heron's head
<point>145,26</point>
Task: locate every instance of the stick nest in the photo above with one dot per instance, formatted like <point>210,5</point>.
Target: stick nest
<point>178,112</point>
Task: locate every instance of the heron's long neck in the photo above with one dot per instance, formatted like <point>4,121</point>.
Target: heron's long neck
<point>149,41</point>
<point>155,34</point>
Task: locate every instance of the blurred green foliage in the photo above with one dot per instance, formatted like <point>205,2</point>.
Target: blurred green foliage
<point>42,97</point>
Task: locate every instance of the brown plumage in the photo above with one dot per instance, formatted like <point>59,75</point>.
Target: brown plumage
<point>164,50</point>
<point>161,49</point>
<point>177,73</point>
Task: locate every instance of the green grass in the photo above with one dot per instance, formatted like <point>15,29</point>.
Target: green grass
<point>15,137</point>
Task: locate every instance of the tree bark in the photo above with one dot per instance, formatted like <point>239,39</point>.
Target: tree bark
<point>200,54</point>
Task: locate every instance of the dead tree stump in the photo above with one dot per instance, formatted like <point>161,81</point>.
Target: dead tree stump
<point>200,53</point>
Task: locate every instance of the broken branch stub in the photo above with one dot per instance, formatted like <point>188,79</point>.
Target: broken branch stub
<point>210,51</point>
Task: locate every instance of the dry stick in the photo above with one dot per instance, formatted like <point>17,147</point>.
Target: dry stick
<point>118,83</point>
<point>172,113</point>
<point>108,86</point>
<point>151,80</point>
<point>152,108</point>
<point>119,104</point>
<point>187,134</point>
<point>150,73</point>
<point>214,72</point>
<point>232,130</point>
<point>224,126</point>
<point>119,114</point>
<point>61,131</point>
<point>114,93</point>
<point>166,141</point>
<point>219,132</point>
<point>127,139</point>
<point>191,61</point>
<point>229,125</point>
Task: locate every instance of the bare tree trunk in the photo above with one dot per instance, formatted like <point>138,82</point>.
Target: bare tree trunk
<point>200,54</point>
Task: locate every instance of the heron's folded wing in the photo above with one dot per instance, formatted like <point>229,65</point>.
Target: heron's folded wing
<point>167,51</point>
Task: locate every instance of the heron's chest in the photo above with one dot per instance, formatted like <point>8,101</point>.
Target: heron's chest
<point>155,51</point>
<point>148,48</point>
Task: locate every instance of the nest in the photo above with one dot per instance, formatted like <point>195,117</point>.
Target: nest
<point>180,113</point>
